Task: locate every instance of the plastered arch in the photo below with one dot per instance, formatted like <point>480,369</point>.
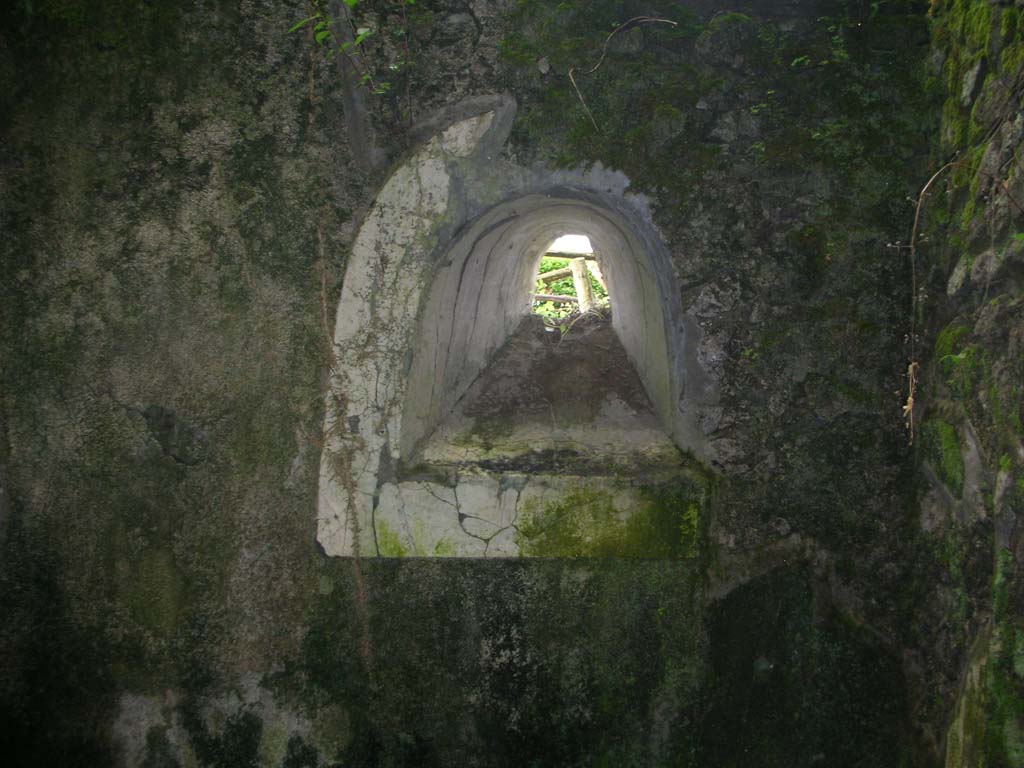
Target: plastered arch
<point>439,276</point>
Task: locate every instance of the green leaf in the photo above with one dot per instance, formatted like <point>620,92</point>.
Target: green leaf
<point>351,3</point>
<point>1018,236</point>
<point>304,22</point>
<point>323,35</point>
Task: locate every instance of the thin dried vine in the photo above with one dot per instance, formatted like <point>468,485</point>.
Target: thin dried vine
<point>915,301</point>
<point>340,459</point>
<point>635,21</point>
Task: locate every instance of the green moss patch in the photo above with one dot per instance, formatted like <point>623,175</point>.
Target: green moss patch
<point>388,542</point>
<point>942,447</point>
<point>666,523</point>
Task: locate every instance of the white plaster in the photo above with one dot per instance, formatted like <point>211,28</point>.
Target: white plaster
<point>480,496</point>
<point>462,138</point>
<point>376,316</point>
<point>503,544</point>
<point>478,517</point>
<point>421,315</point>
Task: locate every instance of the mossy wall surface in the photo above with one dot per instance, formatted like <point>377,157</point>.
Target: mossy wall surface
<point>971,308</point>
<point>178,194</point>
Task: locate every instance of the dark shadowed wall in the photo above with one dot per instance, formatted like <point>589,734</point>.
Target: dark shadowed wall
<point>179,187</point>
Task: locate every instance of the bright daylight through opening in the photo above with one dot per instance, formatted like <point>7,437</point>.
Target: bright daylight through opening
<point>569,280</point>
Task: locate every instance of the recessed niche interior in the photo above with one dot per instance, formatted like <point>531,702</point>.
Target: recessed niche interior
<point>471,415</point>
<point>492,378</point>
<point>517,413</point>
<point>561,393</point>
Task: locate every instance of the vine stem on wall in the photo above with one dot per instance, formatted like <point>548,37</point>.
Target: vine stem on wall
<point>341,461</point>
<point>915,301</point>
<point>635,21</point>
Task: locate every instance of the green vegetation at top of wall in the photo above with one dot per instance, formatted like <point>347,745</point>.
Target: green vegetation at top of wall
<point>666,523</point>
<point>983,45</point>
<point>671,103</point>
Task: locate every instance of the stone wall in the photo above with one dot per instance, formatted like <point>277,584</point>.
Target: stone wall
<point>971,262</point>
<point>180,193</point>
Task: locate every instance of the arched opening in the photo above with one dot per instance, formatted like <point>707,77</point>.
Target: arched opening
<point>439,437</point>
<point>559,392</point>
<point>483,290</point>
